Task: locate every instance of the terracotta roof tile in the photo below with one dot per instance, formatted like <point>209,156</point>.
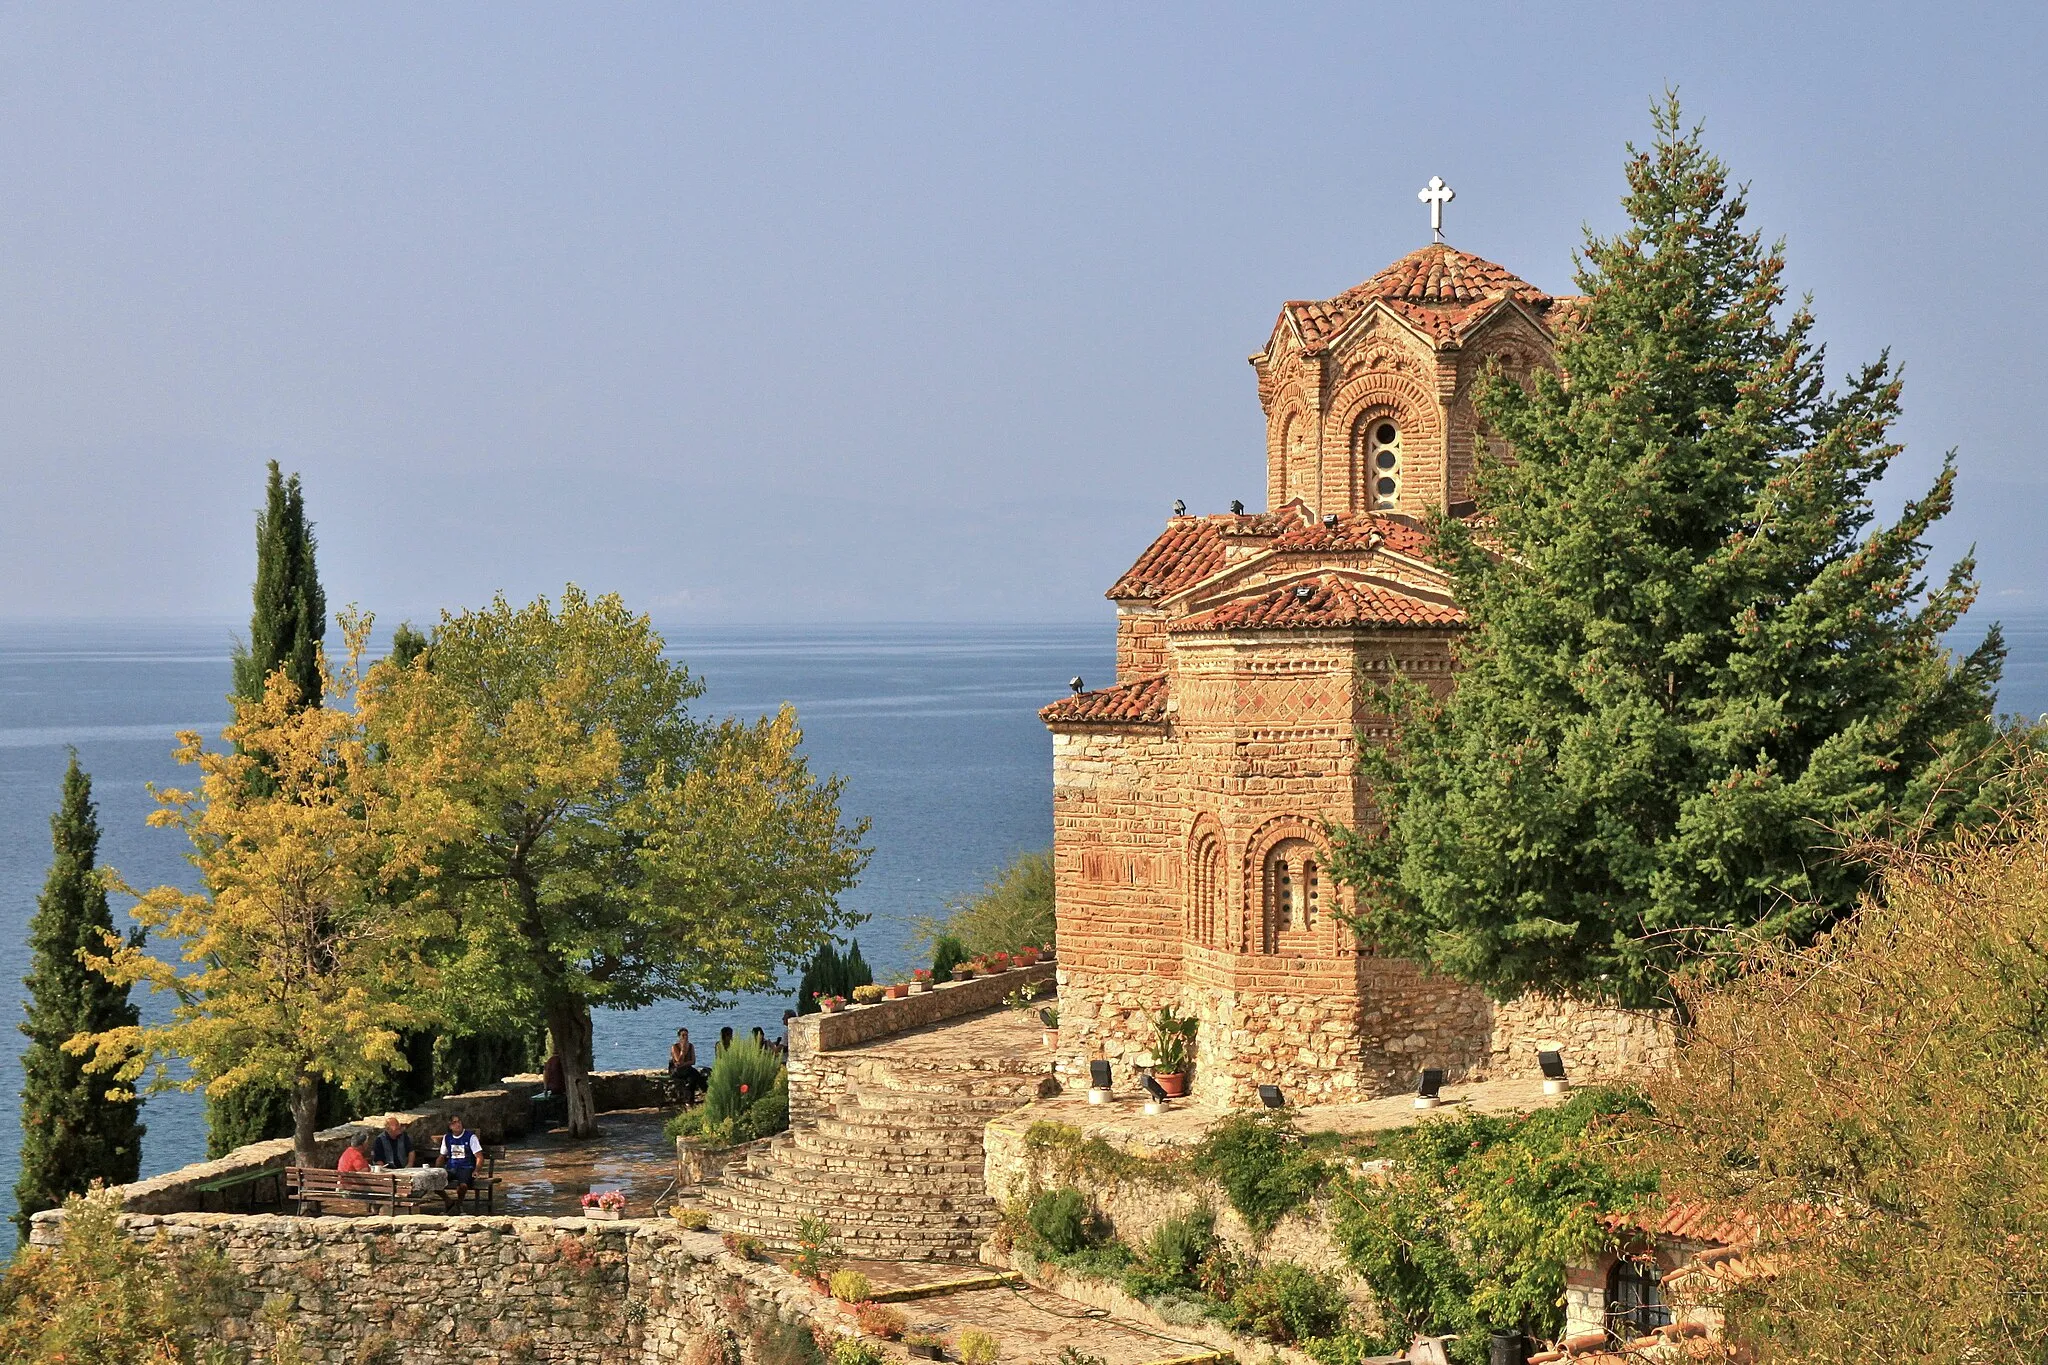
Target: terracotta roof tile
<point>1323,602</point>
<point>1142,701</point>
<point>1438,289</point>
<point>1186,552</point>
<point>1354,531</point>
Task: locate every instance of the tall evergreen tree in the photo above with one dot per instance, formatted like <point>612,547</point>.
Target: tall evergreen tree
<point>286,625</point>
<point>72,1134</point>
<point>290,615</point>
<point>1698,665</point>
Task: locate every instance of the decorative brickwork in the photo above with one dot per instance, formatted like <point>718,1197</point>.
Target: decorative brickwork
<point>1191,799</point>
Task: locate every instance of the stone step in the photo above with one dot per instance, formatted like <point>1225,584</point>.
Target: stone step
<point>940,1143</point>
<point>814,1195</point>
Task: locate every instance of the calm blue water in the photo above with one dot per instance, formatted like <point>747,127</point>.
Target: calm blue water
<point>934,728</point>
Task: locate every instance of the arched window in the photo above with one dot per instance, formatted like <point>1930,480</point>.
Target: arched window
<point>1635,1298</point>
<point>1379,461</point>
<point>1293,887</point>
<point>1205,891</point>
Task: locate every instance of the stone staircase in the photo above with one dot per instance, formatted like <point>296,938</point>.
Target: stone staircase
<point>894,1165</point>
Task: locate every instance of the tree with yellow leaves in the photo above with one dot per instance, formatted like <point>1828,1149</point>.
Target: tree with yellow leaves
<point>612,849</point>
<point>299,962</point>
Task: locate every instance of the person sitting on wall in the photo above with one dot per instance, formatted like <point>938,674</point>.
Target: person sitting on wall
<point>682,1069</point>
<point>393,1147</point>
<point>551,1078</point>
<point>353,1157</point>
<point>724,1041</point>
<point>460,1151</point>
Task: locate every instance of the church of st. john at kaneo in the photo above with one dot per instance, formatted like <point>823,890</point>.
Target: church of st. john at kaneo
<point>1191,798</point>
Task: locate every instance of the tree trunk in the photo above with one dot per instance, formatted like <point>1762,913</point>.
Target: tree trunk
<point>569,1033</point>
<point>305,1119</point>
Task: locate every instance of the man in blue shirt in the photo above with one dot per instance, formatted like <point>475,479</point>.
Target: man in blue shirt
<point>460,1151</point>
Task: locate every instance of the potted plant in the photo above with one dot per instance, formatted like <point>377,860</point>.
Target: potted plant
<point>1046,954</point>
<point>867,995</point>
<point>964,971</point>
<point>850,1287</point>
<point>831,1004</point>
<point>1050,1018</point>
<point>925,1345</point>
<point>1027,956</point>
<point>997,962</point>
<point>896,990</point>
<point>608,1207</point>
<point>1173,1050</point>
<point>920,980</point>
<point>880,1320</point>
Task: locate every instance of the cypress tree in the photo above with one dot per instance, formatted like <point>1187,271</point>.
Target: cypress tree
<point>72,1134</point>
<point>286,624</point>
<point>1698,666</point>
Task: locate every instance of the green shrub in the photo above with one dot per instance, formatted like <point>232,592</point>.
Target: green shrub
<point>1060,1220</point>
<point>850,1286</point>
<point>832,973</point>
<point>1284,1302</point>
<point>976,1347</point>
<point>858,1351</point>
<point>1263,1167</point>
<point>1173,1256</point>
<point>777,1342</point>
<point>947,953</point>
<point>744,1073</point>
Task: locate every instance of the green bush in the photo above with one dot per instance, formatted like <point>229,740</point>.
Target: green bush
<point>1013,910</point>
<point>858,1351</point>
<point>1285,1302</point>
<point>746,1097</point>
<point>1174,1255</point>
<point>1060,1220</point>
<point>1263,1167</point>
<point>850,1286</point>
<point>832,973</point>
<point>947,953</point>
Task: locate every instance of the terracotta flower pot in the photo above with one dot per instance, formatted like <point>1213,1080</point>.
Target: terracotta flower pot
<point>1051,1037</point>
<point>830,1007</point>
<point>897,992</point>
<point>1174,1083</point>
<point>963,973</point>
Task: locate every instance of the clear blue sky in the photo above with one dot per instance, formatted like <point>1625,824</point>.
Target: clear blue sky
<point>882,312</point>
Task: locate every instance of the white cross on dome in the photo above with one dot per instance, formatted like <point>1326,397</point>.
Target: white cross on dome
<point>1436,196</point>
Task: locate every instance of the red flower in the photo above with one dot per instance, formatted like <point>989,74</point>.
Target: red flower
<point>743,1087</point>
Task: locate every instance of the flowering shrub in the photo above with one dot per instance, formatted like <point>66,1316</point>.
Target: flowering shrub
<point>867,995</point>
<point>880,1320</point>
<point>921,974</point>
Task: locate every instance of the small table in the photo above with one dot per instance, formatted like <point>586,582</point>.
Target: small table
<point>423,1179</point>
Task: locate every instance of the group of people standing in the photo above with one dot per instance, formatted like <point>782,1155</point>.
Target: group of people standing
<point>687,1079</point>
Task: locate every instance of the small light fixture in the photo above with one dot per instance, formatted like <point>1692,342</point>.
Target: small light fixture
<point>1180,509</point>
<point>1237,506</point>
<point>1304,592</point>
<point>1552,1062</point>
<point>1075,684</point>
<point>1429,1090</point>
<point>1330,521</point>
<point>1098,1082</point>
<point>1155,1095</point>
<point>1270,1096</point>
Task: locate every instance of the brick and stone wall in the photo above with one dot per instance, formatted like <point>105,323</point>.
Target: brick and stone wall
<point>440,1291</point>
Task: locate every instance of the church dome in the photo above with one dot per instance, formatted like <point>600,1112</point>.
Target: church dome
<point>1438,288</point>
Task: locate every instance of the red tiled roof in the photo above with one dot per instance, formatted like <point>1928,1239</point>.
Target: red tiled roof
<point>1354,531</point>
<point>1437,289</point>
<point>1688,1221</point>
<point>1142,701</point>
<point>1186,552</point>
<point>1324,602</point>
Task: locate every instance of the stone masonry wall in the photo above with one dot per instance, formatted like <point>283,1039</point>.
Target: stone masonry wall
<point>447,1291</point>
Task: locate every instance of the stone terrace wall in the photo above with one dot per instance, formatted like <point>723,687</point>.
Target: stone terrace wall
<point>817,1079</point>
<point>497,1114</point>
<point>437,1291</point>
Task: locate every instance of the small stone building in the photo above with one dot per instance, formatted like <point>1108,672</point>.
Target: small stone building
<point>1191,797</point>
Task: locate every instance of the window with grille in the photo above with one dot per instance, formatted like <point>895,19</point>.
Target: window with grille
<point>1380,453</point>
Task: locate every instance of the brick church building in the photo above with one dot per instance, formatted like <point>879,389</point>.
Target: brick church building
<point>1191,797</point>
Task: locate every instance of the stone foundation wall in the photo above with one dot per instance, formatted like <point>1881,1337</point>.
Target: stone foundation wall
<point>441,1291</point>
<point>1600,1042</point>
<point>817,1076</point>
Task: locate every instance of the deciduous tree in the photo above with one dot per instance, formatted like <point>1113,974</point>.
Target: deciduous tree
<point>298,964</point>
<point>1697,663</point>
<point>72,1132</point>
<point>614,850</point>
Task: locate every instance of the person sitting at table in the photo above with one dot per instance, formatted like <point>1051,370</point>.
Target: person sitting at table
<point>353,1157</point>
<point>460,1151</point>
<point>393,1147</point>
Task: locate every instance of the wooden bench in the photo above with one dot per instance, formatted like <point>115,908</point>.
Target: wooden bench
<point>311,1187</point>
<point>243,1180</point>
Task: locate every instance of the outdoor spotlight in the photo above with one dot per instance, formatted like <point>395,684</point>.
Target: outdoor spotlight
<point>1429,1090</point>
<point>1098,1082</point>
<point>1075,685</point>
<point>1237,506</point>
<point>1552,1062</point>
<point>1180,509</point>
<point>1155,1094</point>
<point>1270,1096</point>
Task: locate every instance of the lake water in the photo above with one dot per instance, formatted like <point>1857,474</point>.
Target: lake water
<point>934,728</point>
